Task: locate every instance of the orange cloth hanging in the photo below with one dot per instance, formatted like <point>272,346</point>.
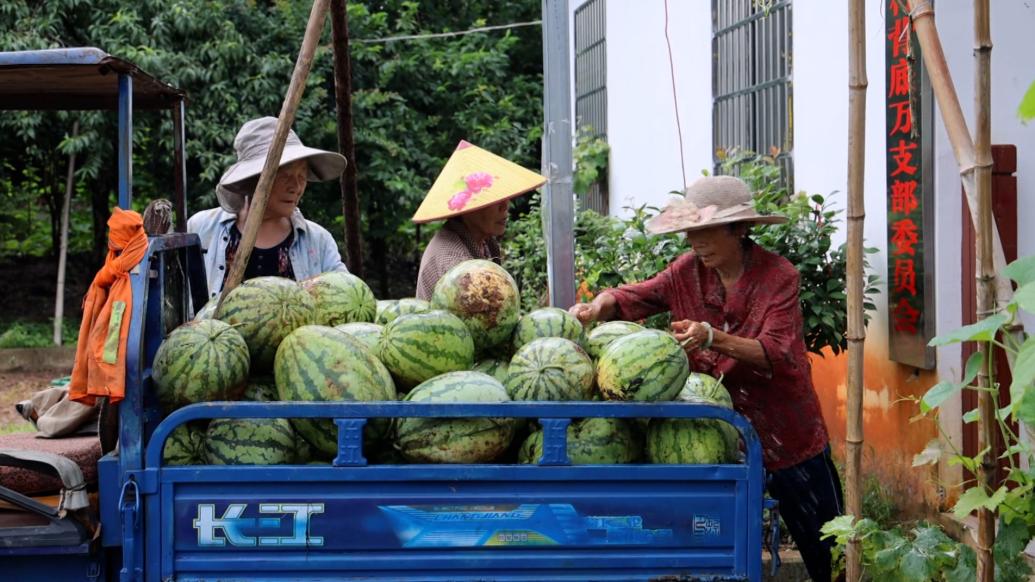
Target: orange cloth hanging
<point>100,358</point>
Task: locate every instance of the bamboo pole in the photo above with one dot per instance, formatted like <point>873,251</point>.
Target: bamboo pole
<point>59,300</point>
<point>346,141</point>
<point>987,403</point>
<point>269,171</point>
<point>857,84</point>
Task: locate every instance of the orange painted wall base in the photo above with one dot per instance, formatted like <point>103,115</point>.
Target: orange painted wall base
<point>890,439</point>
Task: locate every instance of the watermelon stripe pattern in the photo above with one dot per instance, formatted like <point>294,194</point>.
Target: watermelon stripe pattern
<point>392,309</point>
<point>461,440</point>
<point>420,346</point>
<point>591,441</point>
<point>484,296</point>
<point>200,361</point>
<point>602,335</point>
<point>687,441</point>
<point>495,367</point>
<point>548,322</point>
<point>265,310</point>
<point>340,298</point>
<point>550,368</point>
<point>318,363</point>
<point>185,446</point>
<point>368,334</point>
<point>646,366</point>
<point>250,441</point>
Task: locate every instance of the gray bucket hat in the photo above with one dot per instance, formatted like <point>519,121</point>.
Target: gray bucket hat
<point>710,201</point>
<point>252,144</point>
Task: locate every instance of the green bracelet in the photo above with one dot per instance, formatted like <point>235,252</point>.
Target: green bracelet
<point>711,335</point>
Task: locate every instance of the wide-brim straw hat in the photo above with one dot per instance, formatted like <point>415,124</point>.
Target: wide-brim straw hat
<point>252,144</point>
<point>710,201</point>
<point>472,179</point>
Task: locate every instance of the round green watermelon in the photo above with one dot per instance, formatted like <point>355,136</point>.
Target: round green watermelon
<point>687,441</point>
<point>322,364</point>
<point>420,346</point>
<point>200,361</point>
<point>250,441</point>
<point>261,389</point>
<point>548,322</point>
<point>368,334</point>
<point>455,440</point>
<point>602,335</point>
<point>703,388</point>
<point>340,297</point>
<point>394,309</point>
<point>495,367</point>
<point>484,296</point>
<point>648,366</point>
<point>185,446</point>
<point>265,310</point>
<point>207,311</point>
<point>591,441</point>
<point>550,368</point>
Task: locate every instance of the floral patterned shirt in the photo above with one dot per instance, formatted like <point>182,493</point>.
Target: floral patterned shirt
<point>762,305</point>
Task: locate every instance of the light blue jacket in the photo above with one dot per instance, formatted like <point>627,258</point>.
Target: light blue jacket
<point>312,252</point>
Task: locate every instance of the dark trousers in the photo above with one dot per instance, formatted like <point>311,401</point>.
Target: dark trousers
<point>810,495</point>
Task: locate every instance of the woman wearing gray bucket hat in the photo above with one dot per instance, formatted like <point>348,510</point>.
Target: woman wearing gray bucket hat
<point>735,308</point>
<point>287,245</point>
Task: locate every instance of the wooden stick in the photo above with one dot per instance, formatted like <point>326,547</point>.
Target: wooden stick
<point>346,141</point>
<point>857,84</point>
<point>987,403</point>
<point>269,171</point>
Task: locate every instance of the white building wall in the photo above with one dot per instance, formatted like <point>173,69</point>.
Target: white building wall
<point>644,164</point>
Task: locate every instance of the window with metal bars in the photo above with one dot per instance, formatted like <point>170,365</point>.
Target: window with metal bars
<point>751,79</point>
<point>591,86</point>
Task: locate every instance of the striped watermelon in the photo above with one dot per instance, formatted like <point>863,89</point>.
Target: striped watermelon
<point>368,334</point>
<point>381,305</point>
<point>455,440</point>
<point>602,335</point>
<point>340,297</point>
<point>591,441</point>
<point>318,363</point>
<point>261,389</point>
<point>250,441</point>
<point>704,389</point>
<point>548,322</point>
<point>200,361</point>
<point>495,367</point>
<point>687,441</point>
<point>265,310</point>
<point>550,368</point>
<point>420,346</point>
<point>648,365</point>
<point>401,307</point>
<point>185,446</point>
<point>484,296</point>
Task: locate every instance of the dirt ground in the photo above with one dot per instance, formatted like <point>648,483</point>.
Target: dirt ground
<point>17,386</point>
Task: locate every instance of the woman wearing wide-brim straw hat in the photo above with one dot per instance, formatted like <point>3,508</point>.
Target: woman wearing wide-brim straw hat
<point>287,244</point>
<point>735,308</point>
<point>472,194</point>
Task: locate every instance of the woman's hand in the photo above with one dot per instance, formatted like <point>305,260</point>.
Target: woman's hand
<point>692,335</point>
<point>602,308</point>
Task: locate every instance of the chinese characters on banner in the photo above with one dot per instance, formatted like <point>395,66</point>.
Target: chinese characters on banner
<point>909,183</point>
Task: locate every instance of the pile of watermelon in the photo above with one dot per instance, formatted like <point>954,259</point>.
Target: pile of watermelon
<point>327,339</point>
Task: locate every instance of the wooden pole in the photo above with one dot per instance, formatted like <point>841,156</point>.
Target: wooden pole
<point>987,403</point>
<point>59,300</point>
<point>857,84</point>
<point>269,171</point>
<point>346,142</point>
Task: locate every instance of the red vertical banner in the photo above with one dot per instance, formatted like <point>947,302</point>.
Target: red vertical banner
<point>909,184</point>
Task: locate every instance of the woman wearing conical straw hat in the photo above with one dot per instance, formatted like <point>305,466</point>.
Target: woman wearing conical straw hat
<point>472,194</point>
<point>735,308</point>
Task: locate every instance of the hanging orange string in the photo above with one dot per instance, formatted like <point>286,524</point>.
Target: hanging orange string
<point>675,101</point>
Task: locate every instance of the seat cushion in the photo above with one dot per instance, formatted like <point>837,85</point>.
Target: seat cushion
<point>84,451</point>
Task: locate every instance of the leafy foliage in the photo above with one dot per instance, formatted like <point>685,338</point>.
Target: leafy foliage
<point>590,157</point>
<point>610,251</point>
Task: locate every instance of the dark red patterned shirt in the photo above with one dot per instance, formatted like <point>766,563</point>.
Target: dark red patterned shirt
<point>762,305</point>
